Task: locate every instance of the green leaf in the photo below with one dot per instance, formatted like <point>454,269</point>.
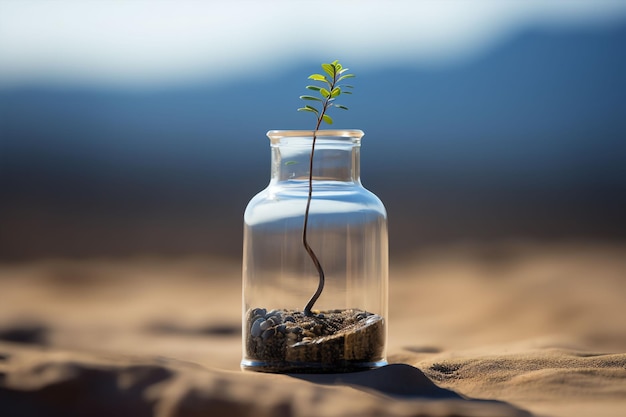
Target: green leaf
<point>317,77</point>
<point>310,98</point>
<point>309,108</point>
<point>336,91</point>
<point>324,92</point>
<point>313,87</point>
<point>342,70</point>
<point>329,69</point>
<point>347,92</point>
<point>291,162</point>
<point>327,119</point>
<point>339,106</point>
<point>343,77</point>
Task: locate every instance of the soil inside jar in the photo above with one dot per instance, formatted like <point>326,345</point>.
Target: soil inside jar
<point>325,341</point>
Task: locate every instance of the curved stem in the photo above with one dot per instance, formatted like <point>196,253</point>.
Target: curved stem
<point>316,262</point>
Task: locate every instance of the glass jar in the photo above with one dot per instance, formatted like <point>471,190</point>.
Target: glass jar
<point>284,328</point>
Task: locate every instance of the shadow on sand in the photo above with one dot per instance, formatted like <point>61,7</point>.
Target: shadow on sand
<point>397,381</point>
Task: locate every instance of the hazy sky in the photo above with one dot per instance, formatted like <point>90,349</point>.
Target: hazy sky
<point>143,43</point>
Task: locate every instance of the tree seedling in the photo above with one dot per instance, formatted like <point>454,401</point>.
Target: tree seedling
<point>328,89</point>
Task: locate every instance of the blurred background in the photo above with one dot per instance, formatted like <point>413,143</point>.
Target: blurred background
<point>138,128</point>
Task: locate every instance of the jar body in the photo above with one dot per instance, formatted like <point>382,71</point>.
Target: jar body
<point>346,229</point>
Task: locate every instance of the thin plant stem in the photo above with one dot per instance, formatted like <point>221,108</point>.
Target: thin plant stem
<point>314,258</point>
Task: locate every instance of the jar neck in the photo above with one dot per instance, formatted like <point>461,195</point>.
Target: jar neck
<point>336,156</point>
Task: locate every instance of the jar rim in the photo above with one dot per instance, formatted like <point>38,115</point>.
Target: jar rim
<point>341,133</point>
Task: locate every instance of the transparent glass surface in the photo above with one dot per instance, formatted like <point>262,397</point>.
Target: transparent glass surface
<point>347,230</point>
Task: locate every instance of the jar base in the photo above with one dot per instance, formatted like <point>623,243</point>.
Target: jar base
<point>309,368</point>
<point>331,341</point>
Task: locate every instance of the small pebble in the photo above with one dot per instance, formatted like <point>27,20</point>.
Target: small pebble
<point>289,319</point>
<point>256,330</point>
<point>268,333</point>
<point>281,328</point>
<point>266,325</point>
<point>259,312</point>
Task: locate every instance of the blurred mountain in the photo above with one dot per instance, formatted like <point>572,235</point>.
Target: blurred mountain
<point>526,140</point>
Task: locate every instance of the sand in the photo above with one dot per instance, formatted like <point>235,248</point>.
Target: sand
<point>509,329</point>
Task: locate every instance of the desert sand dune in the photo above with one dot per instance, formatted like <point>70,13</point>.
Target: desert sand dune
<point>513,329</point>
